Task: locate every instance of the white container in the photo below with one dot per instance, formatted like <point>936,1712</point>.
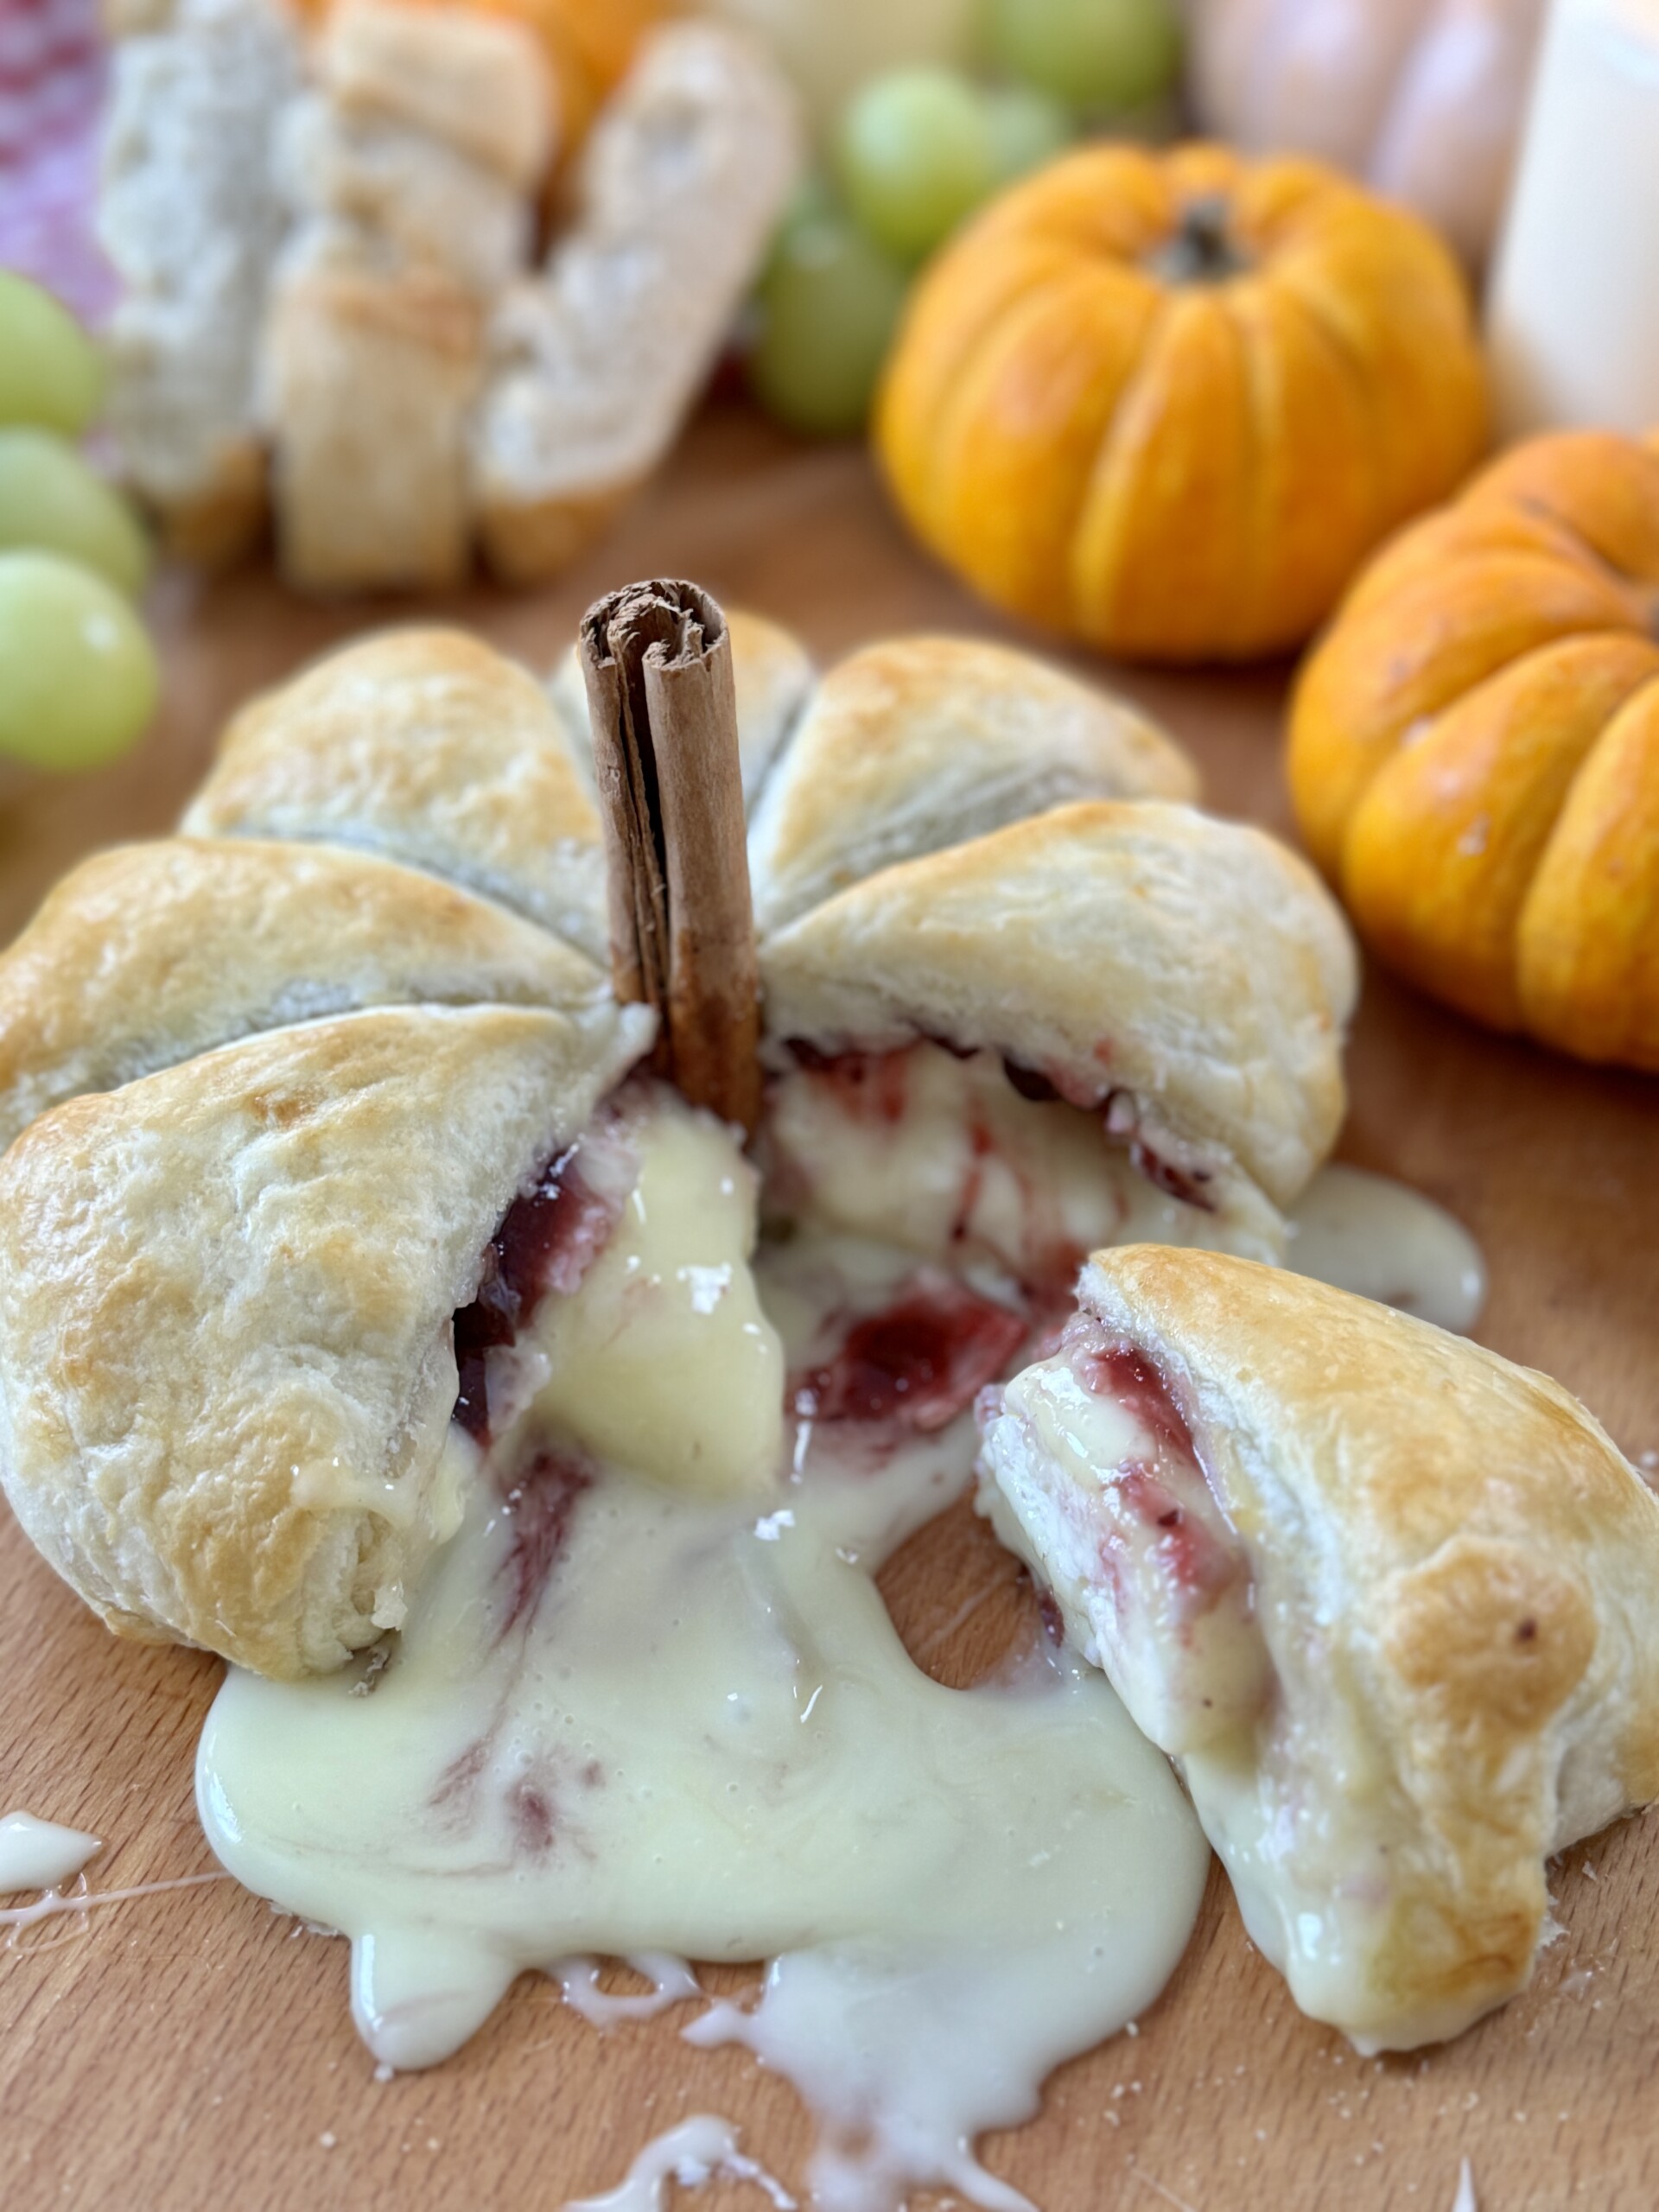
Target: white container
<point>830,47</point>
<point>1572,318</point>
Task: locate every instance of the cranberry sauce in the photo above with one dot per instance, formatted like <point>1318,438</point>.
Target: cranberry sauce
<point>1171,1500</point>
<point>1118,1371</point>
<point>868,1086</point>
<point>548,1239</point>
<point>1199,1564</point>
<point>916,1364</point>
<point>1187,1184</point>
<point>1030,1083</point>
<point>541,1508</point>
<point>540,1503</point>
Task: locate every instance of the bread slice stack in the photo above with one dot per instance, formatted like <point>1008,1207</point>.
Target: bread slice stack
<point>330,289</point>
<point>410,170</point>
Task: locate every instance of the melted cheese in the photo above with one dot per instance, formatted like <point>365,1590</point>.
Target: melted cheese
<point>1382,1240</point>
<point>665,1362</point>
<point>700,2150</point>
<point>698,1735</point>
<point>37,1854</point>
<point>944,1156</point>
<point>650,1703</point>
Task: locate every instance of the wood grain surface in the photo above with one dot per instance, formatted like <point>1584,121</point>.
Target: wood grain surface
<point>192,2051</point>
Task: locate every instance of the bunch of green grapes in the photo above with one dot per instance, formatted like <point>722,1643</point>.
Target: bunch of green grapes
<point>916,151</point>
<point>78,674</point>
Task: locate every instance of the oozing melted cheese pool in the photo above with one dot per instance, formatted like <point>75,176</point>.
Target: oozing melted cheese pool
<point>650,1705</point>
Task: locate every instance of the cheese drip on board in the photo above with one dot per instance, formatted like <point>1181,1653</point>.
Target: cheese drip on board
<point>1382,1240</point>
<point>639,1720</point>
<point>36,1854</point>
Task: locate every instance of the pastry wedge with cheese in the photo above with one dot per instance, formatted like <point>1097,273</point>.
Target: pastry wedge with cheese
<point>228,1295</point>
<point>1385,1598</point>
<point>1026,1042</point>
<point>1021,998</point>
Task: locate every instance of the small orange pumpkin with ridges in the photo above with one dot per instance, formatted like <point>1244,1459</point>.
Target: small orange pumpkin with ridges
<point>1474,748</point>
<point>1167,402</point>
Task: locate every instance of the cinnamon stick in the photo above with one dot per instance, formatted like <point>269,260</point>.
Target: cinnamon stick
<point>657,662</point>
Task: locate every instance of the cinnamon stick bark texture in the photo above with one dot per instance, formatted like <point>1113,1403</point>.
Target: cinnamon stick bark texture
<point>657,662</point>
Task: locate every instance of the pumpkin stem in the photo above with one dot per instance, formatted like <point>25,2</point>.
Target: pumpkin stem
<point>1202,250</point>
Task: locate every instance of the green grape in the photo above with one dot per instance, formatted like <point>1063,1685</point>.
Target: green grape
<point>914,155</point>
<point>1028,128</point>
<point>828,306</point>
<point>50,371</point>
<point>813,198</point>
<point>1094,54</point>
<point>78,676</point>
<point>49,498</point>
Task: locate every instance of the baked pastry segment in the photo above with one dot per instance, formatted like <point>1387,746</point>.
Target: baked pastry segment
<point>922,743</point>
<point>1192,973</point>
<point>1388,1598</point>
<point>225,1303</point>
<point>427,747</point>
<point>148,954</point>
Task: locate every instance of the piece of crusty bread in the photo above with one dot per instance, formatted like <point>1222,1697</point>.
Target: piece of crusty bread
<point>417,197</point>
<point>369,372</point>
<point>595,364</point>
<point>411,175</point>
<point>477,84</point>
<point>191,220</point>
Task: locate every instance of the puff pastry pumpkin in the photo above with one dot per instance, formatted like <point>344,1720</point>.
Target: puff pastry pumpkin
<point>275,1091</point>
<point>1169,402</point>
<point>1474,748</point>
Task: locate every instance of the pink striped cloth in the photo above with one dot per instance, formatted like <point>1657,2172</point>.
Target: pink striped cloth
<point>52,77</point>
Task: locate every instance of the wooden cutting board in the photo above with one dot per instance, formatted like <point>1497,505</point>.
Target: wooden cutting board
<point>191,2051</point>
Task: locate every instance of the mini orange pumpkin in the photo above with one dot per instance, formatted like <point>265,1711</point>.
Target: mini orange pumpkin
<point>1474,748</point>
<point>1167,402</point>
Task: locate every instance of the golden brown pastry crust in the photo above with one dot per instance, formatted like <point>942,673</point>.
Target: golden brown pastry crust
<point>919,743</point>
<point>149,954</point>
<point>226,1366</point>
<point>1194,967</point>
<point>1453,1570</point>
<point>430,748</point>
